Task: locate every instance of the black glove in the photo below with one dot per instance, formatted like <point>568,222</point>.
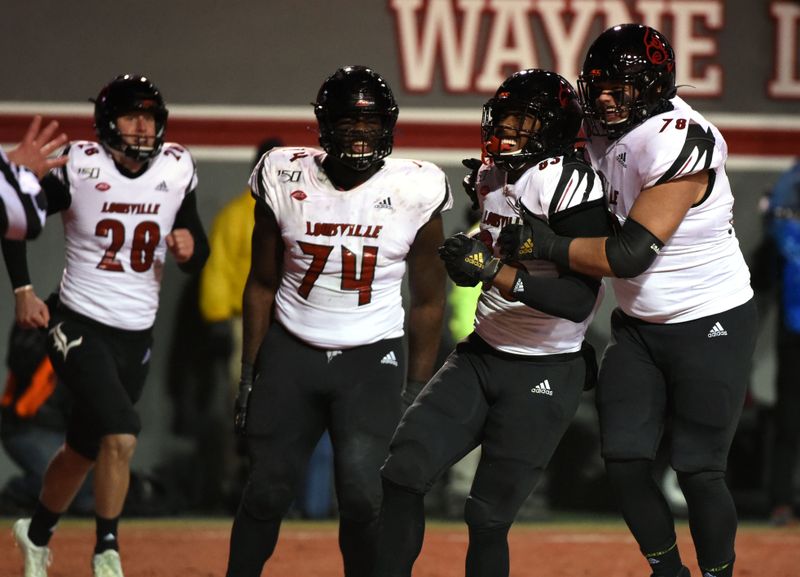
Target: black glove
<point>410,392</point>
<point>468,261</point>
<point>469,180</point>
<point>242,398</point>
<point>533,239</point>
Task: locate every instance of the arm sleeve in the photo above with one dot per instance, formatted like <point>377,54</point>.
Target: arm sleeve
<point>15,254</point>
<point>588,219</point>
<point>188,218</point>
<point>570,296</point>
<point>57,194</point>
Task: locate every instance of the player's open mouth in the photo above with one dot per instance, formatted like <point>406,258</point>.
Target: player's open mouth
<point>359,149</point>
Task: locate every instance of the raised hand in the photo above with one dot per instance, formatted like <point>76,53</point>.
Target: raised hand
<point>37,145</point>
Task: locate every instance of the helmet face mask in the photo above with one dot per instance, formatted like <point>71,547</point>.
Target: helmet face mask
<point>533,115</point>
<point>356,112</point>
<point>628,76</point>
<point>130,96</point>
<point>511,133</point>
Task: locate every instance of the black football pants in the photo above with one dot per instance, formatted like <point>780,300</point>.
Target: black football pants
<point>299,392</point>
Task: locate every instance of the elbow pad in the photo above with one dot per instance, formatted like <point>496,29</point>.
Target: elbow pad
<point>632,251</point>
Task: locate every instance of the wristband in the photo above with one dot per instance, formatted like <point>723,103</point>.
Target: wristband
<point>23,288</point>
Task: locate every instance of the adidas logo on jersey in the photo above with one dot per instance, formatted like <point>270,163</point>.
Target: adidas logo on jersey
<point>543,388</point>
<point>527,247</point>
<point>162,187</point>
<point>717,331</point>
<point>475,260</point>
<point>385,203</point>
<point>389,359</point>
<point>621,159</point>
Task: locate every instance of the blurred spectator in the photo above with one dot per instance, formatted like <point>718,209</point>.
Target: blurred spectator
<point>222,280</point>
<point>221,287</point>
<point>777,268</point>
<point>33,421</point>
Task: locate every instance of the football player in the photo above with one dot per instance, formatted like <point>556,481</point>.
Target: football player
<point>513,386</point>
<point>22,201</point>
<point>335,231</point>
<point>126,201</point>
<point>684,332</point>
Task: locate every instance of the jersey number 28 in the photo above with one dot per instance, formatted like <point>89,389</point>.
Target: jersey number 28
<point>146,237</point>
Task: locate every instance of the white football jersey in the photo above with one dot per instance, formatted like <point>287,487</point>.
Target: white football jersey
<point>22,212</point>
<point>544,190</point>
<point>114,232</point>
<point>345,250</point>
<point>700,270</point>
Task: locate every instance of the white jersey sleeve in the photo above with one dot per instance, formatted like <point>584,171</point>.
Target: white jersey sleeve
<point>345,251</point>
<point>114,231</point>
<point>22,206</point>
<point>700,270</point>
<point>553,186</point>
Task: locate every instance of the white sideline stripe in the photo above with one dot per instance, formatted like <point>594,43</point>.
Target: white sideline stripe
<point>439,115</point>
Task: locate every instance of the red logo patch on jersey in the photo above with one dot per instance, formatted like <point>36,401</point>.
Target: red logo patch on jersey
<point>299,195</point>
<point>102,186</point>
<point>484,190</point>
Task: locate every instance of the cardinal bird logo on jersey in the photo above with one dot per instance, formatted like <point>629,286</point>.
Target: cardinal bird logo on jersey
<point>60,341</point>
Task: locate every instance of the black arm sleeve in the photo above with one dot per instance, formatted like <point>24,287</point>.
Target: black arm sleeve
<point>588,219</point>
<point>633,250</point>
<point>570,296</point>
<point>15,254</point>
<point>57,194</point>
<point>188,218</point>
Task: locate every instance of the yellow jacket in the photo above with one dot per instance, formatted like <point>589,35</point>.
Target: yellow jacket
<point>224,275</point>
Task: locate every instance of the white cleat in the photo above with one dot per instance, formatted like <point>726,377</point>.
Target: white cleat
<point>107,564</point>
<point>37,559</point>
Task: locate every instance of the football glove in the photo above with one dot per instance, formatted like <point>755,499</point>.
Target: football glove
<point>533,239</point>
<point>242,399</point>
<point>468,261</point>
<point>473,164</point>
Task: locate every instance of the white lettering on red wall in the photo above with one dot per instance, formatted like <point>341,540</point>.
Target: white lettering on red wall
<point>785,81</point>
<point>470,46</point>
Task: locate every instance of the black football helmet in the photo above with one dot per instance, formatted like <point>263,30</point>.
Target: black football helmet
<point>543,96</point>
<point>356,93</point>
<point>639,63</point>
<point>128,93</point>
